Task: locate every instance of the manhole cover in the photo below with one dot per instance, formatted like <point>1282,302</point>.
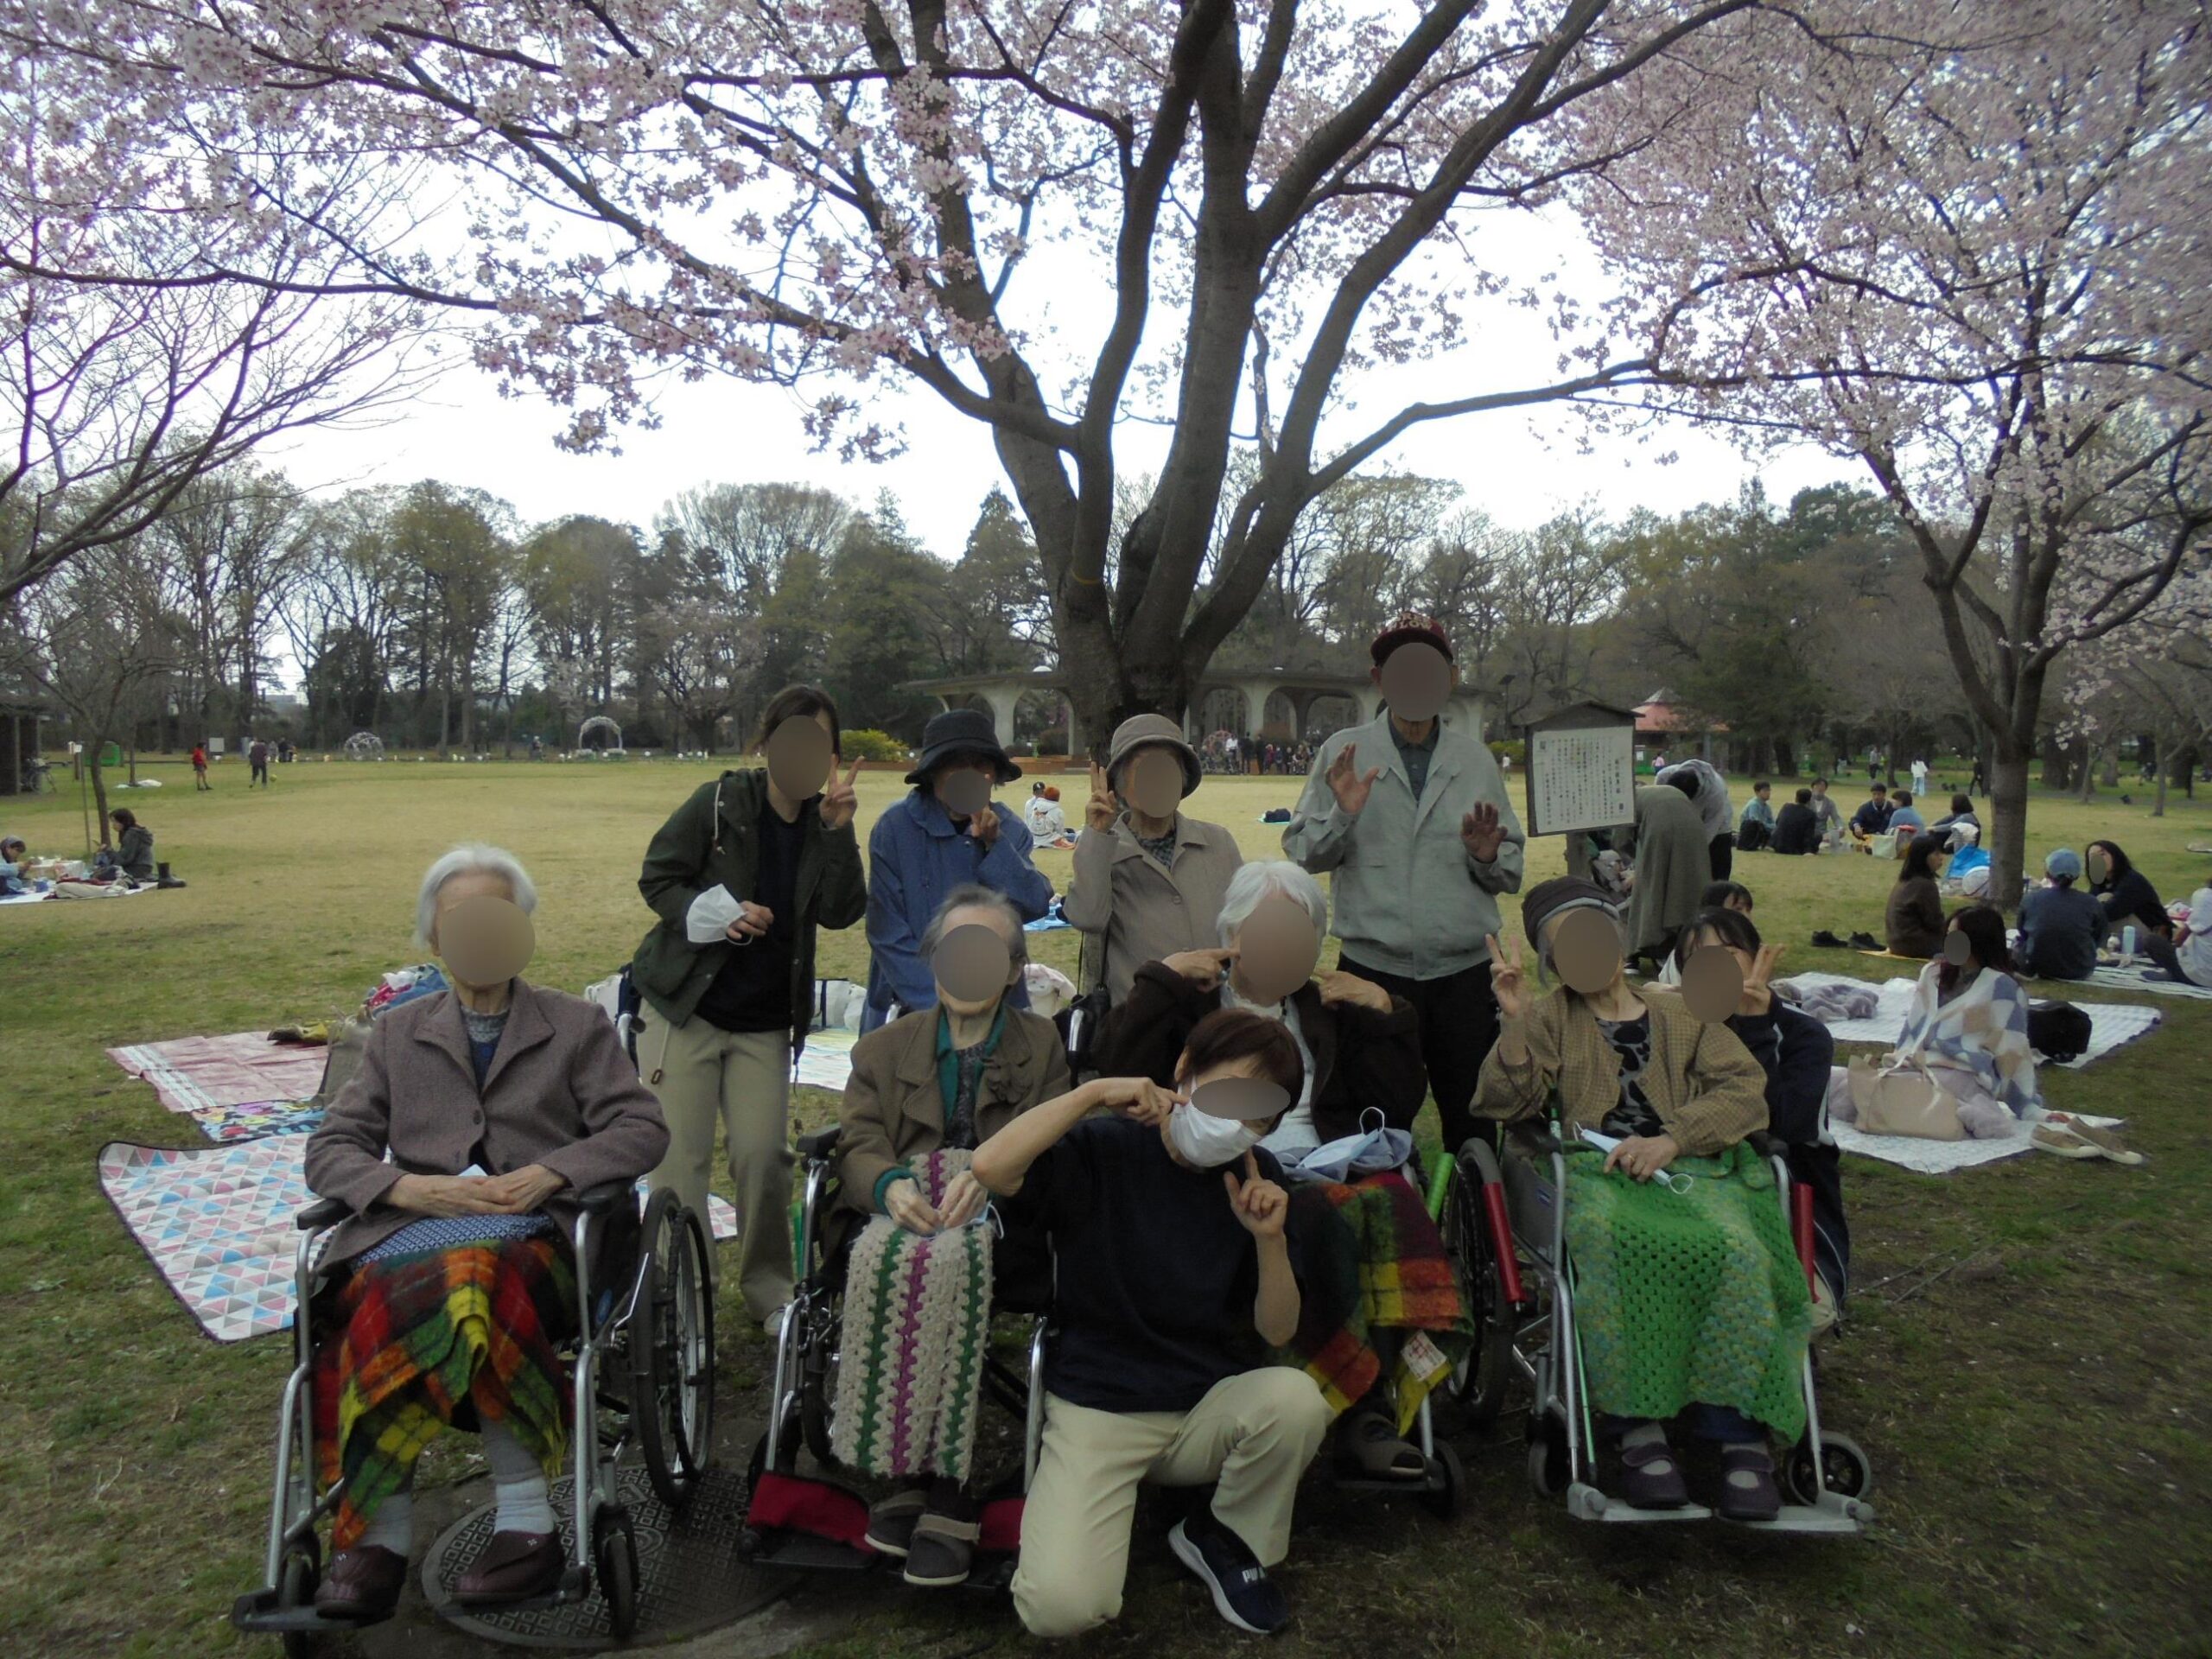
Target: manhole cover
<point>691,1579</point>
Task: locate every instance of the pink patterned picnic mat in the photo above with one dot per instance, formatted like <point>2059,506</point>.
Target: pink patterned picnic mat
<point>244,1069</point>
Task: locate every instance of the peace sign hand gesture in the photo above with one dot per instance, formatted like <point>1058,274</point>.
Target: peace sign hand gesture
<point>1099,812</point>
<point>1257,1202</point>
<point>1507,981</point>
<point>841,801</point>
<point>1350,788</point>
<point>1757,998</point>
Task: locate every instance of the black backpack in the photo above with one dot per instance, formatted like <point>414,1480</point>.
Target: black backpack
<point>2058,1031</point>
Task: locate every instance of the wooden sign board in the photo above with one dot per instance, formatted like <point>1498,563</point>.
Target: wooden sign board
<point>1581,771</point>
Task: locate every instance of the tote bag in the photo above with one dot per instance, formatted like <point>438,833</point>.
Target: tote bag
<point>1902,1097</point>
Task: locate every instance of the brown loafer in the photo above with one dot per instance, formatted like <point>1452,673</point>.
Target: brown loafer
<point>514,1566</point>
<point>362,1584</point>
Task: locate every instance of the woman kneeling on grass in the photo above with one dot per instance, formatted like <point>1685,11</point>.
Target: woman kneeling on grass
<point>478,1117</point>
<point>1688,1290</point>
<point>919,1286</point>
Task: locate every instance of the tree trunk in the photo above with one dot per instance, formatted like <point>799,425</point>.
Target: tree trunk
<point>2158,803</point>
<point>2087,790</point>
<point>2008,795</point>
<point>2058,765</point>
<point>2110,775</point>
<point>100,787</point>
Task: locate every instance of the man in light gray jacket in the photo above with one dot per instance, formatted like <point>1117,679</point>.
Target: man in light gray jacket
<point>1412,818</point>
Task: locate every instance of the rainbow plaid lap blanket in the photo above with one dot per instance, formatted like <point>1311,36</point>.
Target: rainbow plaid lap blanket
<point>415,1339</point>
<point>1372,1259</point>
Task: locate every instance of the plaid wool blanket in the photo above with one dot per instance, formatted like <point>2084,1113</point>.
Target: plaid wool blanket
<point>1373,1260</point>
<point>416,1337</point>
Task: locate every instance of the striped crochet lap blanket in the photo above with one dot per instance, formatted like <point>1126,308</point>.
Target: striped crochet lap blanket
<point>2112,1024</point>
<point>415,1338</point>
<point>1372,1261</point>
<point>241,1069</point>
<point>1688,1298</point>
<point>917,1330</point>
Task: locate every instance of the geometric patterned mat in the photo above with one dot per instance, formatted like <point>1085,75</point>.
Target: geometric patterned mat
<point>689,1578</point>
<point>217,1221</point>
<point>242,1069</point>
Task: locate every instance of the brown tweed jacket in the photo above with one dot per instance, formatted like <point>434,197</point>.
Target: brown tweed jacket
<point>1702,1081</point>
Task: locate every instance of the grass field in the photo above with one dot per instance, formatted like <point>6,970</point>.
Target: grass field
<point>2027,1361</point>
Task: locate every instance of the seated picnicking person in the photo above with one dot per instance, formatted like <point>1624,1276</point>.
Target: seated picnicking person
<point>1718,895</point>
<point>2061,926</point>
<point>925,1090</point>
<point>1871,820</point>
<point>1912,921</point>
<point>1755,831</point>
<point>1342,1142</point>
<point>1797,827</point>
<point>1171,1234</point>
<point>1654,1105</point>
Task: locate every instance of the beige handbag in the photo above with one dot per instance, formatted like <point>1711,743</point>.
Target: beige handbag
<point>1904,1098</point>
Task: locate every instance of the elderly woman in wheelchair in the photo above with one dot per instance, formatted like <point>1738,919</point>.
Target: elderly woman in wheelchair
<point>461,1154</point>
<point>919,1281</point>
<point>1380,1294</point>
<point>1689,1294</point>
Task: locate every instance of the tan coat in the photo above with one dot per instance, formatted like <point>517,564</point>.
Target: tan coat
<point>895,1110</point>
<point>560,1092</point>
<point>1143,911</point>
<point>1705,1086</point>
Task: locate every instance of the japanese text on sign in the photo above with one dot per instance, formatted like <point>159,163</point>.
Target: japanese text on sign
<point>1581,779</point>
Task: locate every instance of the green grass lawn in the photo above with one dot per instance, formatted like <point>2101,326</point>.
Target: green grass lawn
<point>2026,1362</point>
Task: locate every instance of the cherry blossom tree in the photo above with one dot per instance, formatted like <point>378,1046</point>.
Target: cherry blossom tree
<point>833,195</point>
<point>1982,270</point>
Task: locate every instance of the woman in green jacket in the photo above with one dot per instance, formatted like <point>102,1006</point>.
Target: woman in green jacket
<point>742,875</point>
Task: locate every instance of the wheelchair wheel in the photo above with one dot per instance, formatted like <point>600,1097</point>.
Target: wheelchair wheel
<point>672,1351</point>
<point>1845,1467</point>
<point>1548,1468</point>
<point>1444,1499</point>
<point>1479,1383</point>
<point>617,1552</point>
<point>297,1579</point>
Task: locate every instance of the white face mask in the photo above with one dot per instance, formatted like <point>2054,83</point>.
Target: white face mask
<point>1209,1142</point>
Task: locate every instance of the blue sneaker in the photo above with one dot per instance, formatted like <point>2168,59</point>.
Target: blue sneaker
<point>1242,1594</point>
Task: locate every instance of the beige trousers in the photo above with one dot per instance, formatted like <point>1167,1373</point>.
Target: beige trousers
<point>1254,1433</point>
<point>703,1076</point>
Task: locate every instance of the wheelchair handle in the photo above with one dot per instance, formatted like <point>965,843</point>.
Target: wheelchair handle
<point>821,1146</point>
<point>1768,1145</point>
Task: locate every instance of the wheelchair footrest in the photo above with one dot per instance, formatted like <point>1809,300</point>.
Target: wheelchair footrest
<point>1835,1515</point>
<point>805,1551</point>
<point>258,1613</point>
<point>1586,1503</point>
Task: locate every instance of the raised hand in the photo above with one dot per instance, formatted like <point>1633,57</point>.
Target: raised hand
<point>984,826</point>
<point>1257,1202</point>
<point>1482,832</point>
<point>841,801</point>
<point>1350,787</point>
<point>1099,812</point>
<point>1137,1098</point>
<point>1204,969</point>
<point>1758,996</point>
<point>1341,989</point>
<point>1507,981</point>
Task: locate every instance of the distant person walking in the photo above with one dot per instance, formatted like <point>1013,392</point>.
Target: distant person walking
<point>256,756</point>
<point>200,767</point>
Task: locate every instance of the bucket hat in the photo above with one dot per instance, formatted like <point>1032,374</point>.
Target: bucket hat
<point>961,731</point>
<point>1138,730</point>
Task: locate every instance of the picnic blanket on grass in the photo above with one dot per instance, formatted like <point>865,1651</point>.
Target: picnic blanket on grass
<point>827,1061</point>
<point>217,1221</point>
<point>2134,979</point>
<point>2112,1024</point>
<point>1943,1157</point>
<point>242,1069</point>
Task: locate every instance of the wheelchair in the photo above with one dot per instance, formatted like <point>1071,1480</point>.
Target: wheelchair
<point>641,1368</point>
<point>803,1392</point>
<point>1504,1226</point>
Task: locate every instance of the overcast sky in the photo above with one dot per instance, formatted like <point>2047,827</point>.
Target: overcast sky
<point>1520,465</point>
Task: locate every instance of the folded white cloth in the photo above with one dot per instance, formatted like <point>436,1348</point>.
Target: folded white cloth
<point>710,915</point>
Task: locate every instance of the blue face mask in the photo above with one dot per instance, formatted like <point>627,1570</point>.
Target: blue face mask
<point>1373,1149</point>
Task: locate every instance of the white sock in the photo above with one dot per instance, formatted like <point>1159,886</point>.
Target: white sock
<point>524,1498</point>
<point>392,1526</point>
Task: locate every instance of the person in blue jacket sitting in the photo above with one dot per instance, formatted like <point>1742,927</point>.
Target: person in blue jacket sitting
<point>946,832</point>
